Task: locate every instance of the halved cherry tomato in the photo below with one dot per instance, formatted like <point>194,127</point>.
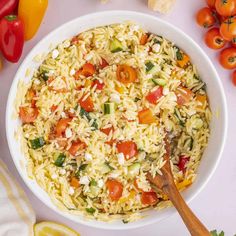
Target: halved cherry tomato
<point>226,7</point>
<point>183,61</point>
<point>184,95</point>
<point>228,29</point>
<point>183,160</point>
<point>146,116</point>
<point>86,104</point>
<point>211,3</point>
<point>233,43</point>
<point>76,146</point>
<point>128,148</point>
<point>115,189</point>
<point>100,85</point>
<point>149,198</point>
<point>228,58</point>
<point>74,182</point>
<point>61,126</point>
<point>205,17</point>
<point>155,95</point>
<point>144,39</point>
<point>107,131</point>
<point>234,78</point>
<point>126,74</point>
<point>53,108</point>
<point>201,99</point>
<point>28,114</point>
<point>87,70</point>
<point>213,39</point>
<point>103,63</point>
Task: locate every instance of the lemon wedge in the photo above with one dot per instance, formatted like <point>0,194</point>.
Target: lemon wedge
<point>53,229</point>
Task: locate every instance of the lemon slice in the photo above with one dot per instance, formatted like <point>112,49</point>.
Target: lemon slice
<point>53,229</point>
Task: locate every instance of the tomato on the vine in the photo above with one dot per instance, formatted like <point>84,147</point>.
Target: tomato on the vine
<point>228,58</point>
<point>228,29</point>
<point>226,7</point>
<point>211,3</point>
<point>234,78</point>
<point>214,40</point>
<point>205,17</point>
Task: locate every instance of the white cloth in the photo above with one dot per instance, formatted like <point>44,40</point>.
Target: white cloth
<point>16,215</point>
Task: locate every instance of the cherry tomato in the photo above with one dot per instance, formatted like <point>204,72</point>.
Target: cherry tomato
<point>183,160</point>
<point>61,126</point>
<point>76,146</point>
<point>144,39</point>
<point>103,63</point>
<point>228,29</point>
<point>149,198</point>
<point>28,114</point>
<point>99,84</point>
<point>53,108</point>
<point>155,95</point>
<point>87,103</point>
<point>128,148</point>
<point>233,43</point>
<point>74,182</point>
<point>211,3</point>
<point>107,130</point>
<point>115,189</point>
<point>126,74</point>
<point>228,58</point>
<point>205,17</point>
<point>226,7</point>
<point>213,39</point>
<point>234,78</point>
<point>87,70</point>
<point>184,95</point>
<point>146,116</point>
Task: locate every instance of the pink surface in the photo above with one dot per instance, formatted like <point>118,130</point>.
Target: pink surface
<point>216,204</point>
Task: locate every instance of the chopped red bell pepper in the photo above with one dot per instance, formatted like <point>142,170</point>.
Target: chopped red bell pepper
<point>99,84</point>
<point>7,7</point>
<point>103,63</point>
<point>11,38</point>
<point>183,160</point>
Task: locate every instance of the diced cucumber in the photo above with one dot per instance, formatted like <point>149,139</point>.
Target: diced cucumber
<point>133,170</point>
<point>81,168</point>
<point>90,210</point>
<point>109,108</point>
<point>149,65</point>
<point>188,143</point>
<point>93,182</point>
<point>94,190</point>
<point>86,114</point>
<point>198,123</point>
<point>179,54</point>
<point>179,117</point>
<point>160,82</point>
<point>106,168</point>
<point>44,75</point>
<point>60,160</point>
<point>37,143</point>
<point>115,46</point>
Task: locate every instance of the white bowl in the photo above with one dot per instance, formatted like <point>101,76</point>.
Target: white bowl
<point>205,68</point>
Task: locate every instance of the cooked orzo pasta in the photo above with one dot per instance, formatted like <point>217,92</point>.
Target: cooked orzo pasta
<point>95,115</point>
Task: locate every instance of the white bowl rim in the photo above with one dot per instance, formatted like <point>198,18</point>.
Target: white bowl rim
<point>171,211</point>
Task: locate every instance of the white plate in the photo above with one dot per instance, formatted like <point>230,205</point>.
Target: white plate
<point>150,23</point>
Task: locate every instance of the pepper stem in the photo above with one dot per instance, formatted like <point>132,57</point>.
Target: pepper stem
<point>11,17</point>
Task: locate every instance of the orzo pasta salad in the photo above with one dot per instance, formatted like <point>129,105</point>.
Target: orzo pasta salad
<point>95,115</point>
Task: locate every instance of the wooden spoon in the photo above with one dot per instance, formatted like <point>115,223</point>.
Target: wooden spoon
<point>166,183</point>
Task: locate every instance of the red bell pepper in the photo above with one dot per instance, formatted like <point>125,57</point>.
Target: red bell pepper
<point>7,7</point>
<point>11,37</point>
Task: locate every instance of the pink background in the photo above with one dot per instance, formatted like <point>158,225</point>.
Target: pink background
<point>216,204</point>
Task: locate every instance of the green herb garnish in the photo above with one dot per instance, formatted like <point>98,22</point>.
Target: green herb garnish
<point>37,143</point>
<point>90,210</point>
<point>60,160</point>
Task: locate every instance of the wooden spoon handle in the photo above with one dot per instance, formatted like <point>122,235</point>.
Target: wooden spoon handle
<point>194,225</point>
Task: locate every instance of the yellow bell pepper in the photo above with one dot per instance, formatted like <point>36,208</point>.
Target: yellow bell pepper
<point>31,12</point>
<point>127,198</point>
<point>182,185</point>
